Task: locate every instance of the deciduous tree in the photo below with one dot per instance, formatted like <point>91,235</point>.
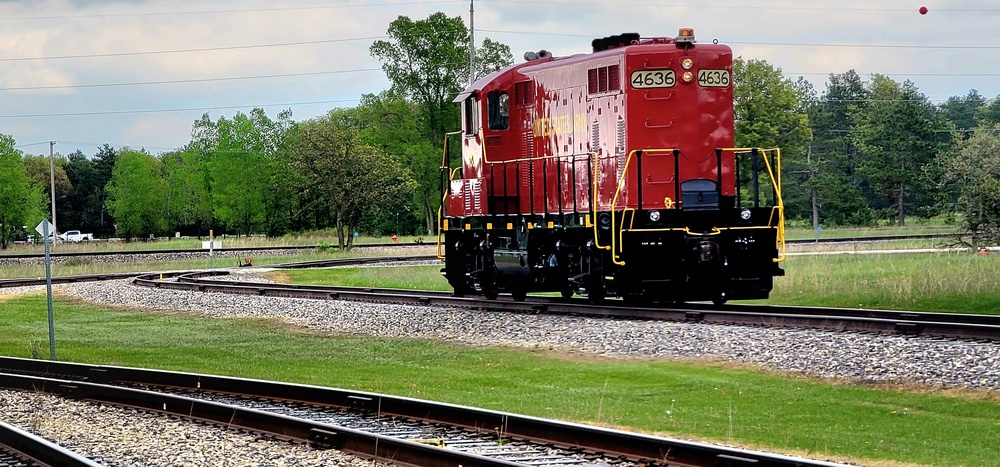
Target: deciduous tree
<point>20,202</point>
<point>342,176</point>
<point>136,194</point>
<point>428,61</point>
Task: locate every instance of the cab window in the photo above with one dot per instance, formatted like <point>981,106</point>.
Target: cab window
<point>497,104</point>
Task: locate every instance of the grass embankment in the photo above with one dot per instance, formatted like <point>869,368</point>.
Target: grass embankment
<point>711,402</point>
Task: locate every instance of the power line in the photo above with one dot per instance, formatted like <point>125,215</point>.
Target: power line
<point>784,44</point>
<point>212,12</point>
<point>205,49</point>
<point>187,109</point>
<point>193,80</point>
<point>735,6</point>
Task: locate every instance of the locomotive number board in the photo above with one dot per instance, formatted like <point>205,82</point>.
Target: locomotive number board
<point>643,79</point>
<point>711,78</point>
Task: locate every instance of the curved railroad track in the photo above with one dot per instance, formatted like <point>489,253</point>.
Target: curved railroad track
<point>400,430</point>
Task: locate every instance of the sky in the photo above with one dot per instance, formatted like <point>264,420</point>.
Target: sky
<point>138,73</point>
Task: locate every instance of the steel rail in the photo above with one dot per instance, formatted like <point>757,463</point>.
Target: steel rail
<point>947,325</point>
<point>608,442</point>
<point>39,450</point>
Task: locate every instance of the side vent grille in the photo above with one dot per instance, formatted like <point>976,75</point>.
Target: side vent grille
<point>620,146</point>
<point>604,79</point>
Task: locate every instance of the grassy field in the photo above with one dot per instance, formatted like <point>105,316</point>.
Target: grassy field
<point>888,427</point>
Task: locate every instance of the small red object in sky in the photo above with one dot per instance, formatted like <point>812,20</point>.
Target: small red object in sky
<point>923,10</point>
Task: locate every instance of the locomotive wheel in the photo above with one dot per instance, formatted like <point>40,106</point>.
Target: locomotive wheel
<point>595,296</point>
<point>720,299</point>
<point>519,294</point>
<point>566,293</point>
<point>490,291</point>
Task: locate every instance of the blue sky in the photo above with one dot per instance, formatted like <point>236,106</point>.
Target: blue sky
<point>138,73</point>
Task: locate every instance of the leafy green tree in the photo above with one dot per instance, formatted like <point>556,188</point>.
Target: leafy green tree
<point>40,175</point>
<point>244,161</point>
<point>189,202</point>
<point>340,176</point>
<point>896,139</point>
<point>428,61</point>
<point>392,124</point>
<point>971,169</point>
<point>20,202</point>
<point>769,114</point>
<point>136,194</point>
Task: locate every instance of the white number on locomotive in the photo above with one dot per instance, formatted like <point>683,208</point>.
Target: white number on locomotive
<point>711,78</point>
<point>653,79</point>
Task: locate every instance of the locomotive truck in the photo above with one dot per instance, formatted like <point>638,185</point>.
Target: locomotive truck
<point>610,173</point>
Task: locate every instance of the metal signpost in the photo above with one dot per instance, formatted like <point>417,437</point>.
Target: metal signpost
<point>211,245</point>
<point>44,227</point>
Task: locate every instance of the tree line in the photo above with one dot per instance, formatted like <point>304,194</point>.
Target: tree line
<point>860,152</point>
<point>875,151</point>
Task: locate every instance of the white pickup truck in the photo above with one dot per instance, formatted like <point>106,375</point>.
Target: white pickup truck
<point>75,236</point>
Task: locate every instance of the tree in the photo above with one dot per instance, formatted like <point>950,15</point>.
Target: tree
<point>343,177</point>
<point>769,114</point>
<point>988,114</point>
<point>20,202</point>
<point>390,123</point>
<point>244,160</point>
<point>895,138</point>
<point>189,203</point>
<point>832,156</point>
<point>428,61</point>
<point>136,194</point>
<point>104,163</point>
<point>38,171</point>
<point>971,169</point>
<point>961,111</point>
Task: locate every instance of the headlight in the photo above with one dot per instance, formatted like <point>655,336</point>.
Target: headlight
<point>687,76</point>
<point>745,214</point>
<point>687,63</point>
<point>654,215</point>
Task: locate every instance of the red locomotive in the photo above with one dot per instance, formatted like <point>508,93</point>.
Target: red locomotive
<point>611,173</point>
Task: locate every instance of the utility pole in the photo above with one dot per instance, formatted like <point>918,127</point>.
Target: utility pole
<point>472,42</point>
<point>52,186</point>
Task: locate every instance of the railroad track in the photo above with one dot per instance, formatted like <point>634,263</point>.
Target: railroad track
<point>944,325</point>
<point>22,449</point>
<point>400,430</point>
<point>230,251</point>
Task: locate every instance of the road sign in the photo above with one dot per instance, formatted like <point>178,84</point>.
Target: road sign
<point>41,228</point>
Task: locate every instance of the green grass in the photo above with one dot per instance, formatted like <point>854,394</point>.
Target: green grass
<point>859,232</point>
<point>222,259</point>
<point>681,399</point>
<point>308,239</point>
<point>947,282</point>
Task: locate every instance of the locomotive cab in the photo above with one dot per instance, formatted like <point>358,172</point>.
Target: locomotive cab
<point>612,173</point>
